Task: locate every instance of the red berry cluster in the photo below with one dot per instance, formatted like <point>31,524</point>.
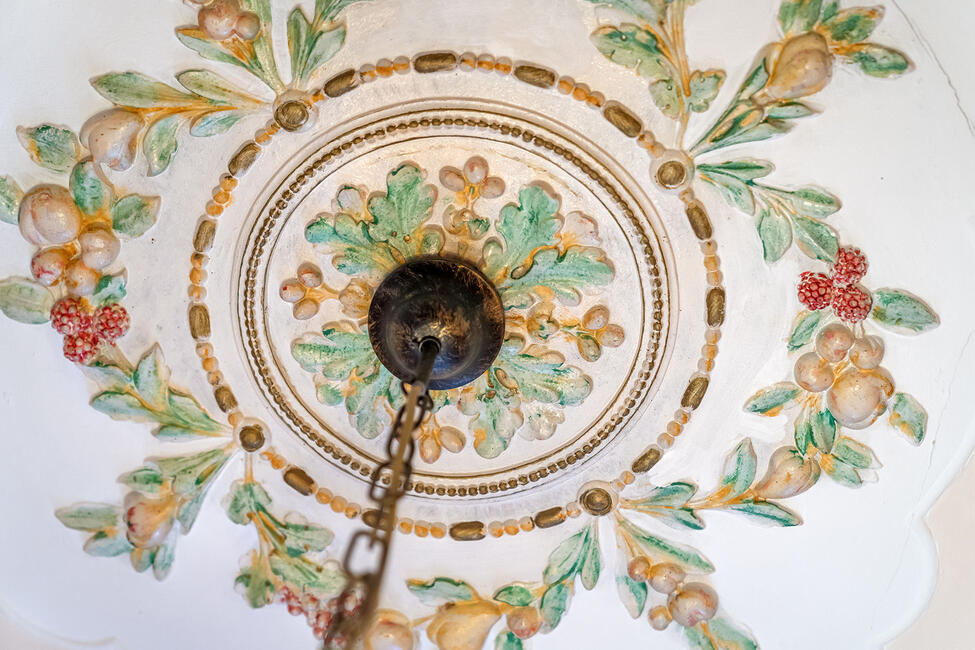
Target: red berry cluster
<point>839,290</point>
<point>85,329</point>
<point>318,612</point>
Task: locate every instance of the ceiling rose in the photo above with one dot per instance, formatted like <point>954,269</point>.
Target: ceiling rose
<point>626,219</point>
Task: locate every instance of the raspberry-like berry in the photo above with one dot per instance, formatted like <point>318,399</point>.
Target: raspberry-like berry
<point>70,316</point>
<point>852,304</point>
<point>815,290</point>
<point>111,322</point>
<point>850,267</point>
<point>81,348</point>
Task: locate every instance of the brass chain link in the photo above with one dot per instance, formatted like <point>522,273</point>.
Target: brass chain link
<point>350,618</point>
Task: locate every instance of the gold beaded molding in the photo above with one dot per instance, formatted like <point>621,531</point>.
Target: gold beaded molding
<point>671,171</point>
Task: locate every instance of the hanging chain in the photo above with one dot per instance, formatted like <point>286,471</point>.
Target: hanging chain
<point>360,597</point>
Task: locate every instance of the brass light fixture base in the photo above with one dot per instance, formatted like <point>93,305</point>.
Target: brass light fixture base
<point>439,298</point>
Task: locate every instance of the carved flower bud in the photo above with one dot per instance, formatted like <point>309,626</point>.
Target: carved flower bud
<point>148,521</point>
<point>695,603</point>
<point>789,473</point>
<point>803,68</point>
<point>48,215</point>
<point>464,625</point>
<point>113,137</point>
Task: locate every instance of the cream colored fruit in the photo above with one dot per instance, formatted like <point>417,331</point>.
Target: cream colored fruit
<point>219,18</point>
<point>148,521</point>
<point>659,617</point>
<point>113,137</point>
<point>859,397</point>
<point>833,342</point>
<point>390,631</point>
<point>48,265</point>
<point>695,603</point>
<point>80,279</point>
<point>452,439</point>
<point>48,215</point>
<point>463,626</point>
<point>867,353</point>
<point>99,246</point>
<point>524,622</point>
<point>789,473</point>
<point>813,373</point>
<point>248,26</point>
<point>665,578</point>
<point>804,67</point>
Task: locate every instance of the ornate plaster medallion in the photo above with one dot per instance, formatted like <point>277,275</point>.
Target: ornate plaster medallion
<point>595,217</point>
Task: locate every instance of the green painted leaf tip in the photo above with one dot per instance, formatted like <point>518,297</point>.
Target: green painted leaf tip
<point>10,197</point>
<point>907,414</point>
<point>770,401</point>
<point>514,595</point>
<point>25,301</point>
<point>440,591</point>
<point>903,312</point>
<point>53,147</point>
<point>134,214</point>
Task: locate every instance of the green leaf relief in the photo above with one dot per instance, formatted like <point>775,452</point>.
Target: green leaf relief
<point>634,47</point>
<point>853,25</point>
<point>775,232</point>
<point>907,414</point>
<point>137,90</point>
<point>797,16</point>
<point>354,251</point>
<point>661,550</point>
<point>10,197</point>
<point>902,312</point>
<point>704,86</point>
<point>159,144</point>
<point>767,512</point>
<point>440,591</point>
<point>877,60</point>
<point>514,595</point>
<point>104,544</point>
<point>566,274</point>
<point>109,289</point>
<point>134,214</point>
<point>804,329</point>
<point>727,634</point>
<point>841,472</point>
<point>25,301</point>
<point>146,480</point>
<point>567,558</point>
<point>739,469</point>
<point>666,95</point>
<point>823,428</point>
<point>525,227</point>
<point>89,516</point>
<point>633,594</point>
<point>91,194</point>
<point>215,88</point>
<point>336,353</point>
<point>770,401</point>
<point>555,601</point>
<point>506,640</point>
<point>52,147</point>
<point>855,454</point>
<point>815,239</point>
<point>398,215</point>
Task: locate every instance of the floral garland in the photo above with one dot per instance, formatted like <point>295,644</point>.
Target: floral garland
<point>839,385</point>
